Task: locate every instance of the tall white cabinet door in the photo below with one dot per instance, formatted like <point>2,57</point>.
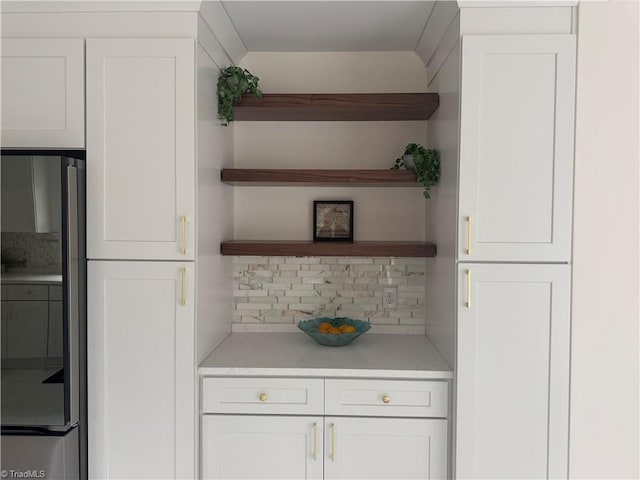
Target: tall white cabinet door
<point>42,93</point>
<point>140,149</point>
<point>261,447</point>
<point>140,370</point>
<point>513,371</point>
<point>385,448</point>
<point>516,147</point>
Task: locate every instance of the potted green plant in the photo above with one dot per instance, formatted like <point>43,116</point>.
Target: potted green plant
<point>425,162</point>
<point>233,82</point>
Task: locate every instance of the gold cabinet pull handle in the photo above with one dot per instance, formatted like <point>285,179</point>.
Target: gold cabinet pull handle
<point>263,397</point>
<point>385,399</point>
<point>315,441</point>
<point>183,235</point>
<point>333,442</point>
<point>183,297</point>
<point>468,302</point>
<point>469,235</point>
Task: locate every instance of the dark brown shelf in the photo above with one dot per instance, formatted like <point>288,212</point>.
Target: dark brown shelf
<point>382,178</point>
<point>327,249</point>
<point>340,107</point>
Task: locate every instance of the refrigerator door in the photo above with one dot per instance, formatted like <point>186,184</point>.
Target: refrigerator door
<point>42,291</point>
<point>40,456</point>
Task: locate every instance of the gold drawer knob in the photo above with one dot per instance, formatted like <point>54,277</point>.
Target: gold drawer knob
<point>263,397</point>
<point>385,399</point>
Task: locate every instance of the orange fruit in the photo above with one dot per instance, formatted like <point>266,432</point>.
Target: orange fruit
<point>324,327</point>
<point>334,331</point>
<point>347,328</point>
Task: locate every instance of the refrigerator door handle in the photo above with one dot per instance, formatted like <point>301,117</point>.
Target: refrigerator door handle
<point>71,255</point>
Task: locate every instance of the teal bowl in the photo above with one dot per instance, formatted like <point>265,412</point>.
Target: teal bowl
<point>310,327</point>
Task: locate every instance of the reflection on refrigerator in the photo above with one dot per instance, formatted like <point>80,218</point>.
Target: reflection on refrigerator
<point>43,315</point>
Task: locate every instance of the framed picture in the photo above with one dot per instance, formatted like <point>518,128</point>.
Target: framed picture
<point>333,220</point>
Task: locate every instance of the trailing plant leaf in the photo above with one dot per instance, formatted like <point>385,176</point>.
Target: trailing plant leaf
<point>427,165</point>
<point>233,82</point>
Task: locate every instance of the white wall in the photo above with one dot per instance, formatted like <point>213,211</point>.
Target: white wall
<point>442,211</point>
<point>285,213</point>
<point>604,383</point>
<point>215,215</point>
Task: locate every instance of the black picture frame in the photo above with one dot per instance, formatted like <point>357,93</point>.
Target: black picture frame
<point>340,228</point>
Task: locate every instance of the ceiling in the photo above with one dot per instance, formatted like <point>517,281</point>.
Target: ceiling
<point>329,25</point>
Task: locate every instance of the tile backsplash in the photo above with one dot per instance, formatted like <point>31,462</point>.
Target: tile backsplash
<point>36,251</point>
<point>284,290</point>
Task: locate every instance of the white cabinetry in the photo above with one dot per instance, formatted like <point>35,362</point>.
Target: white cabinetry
<point>140,370</point>
<point>42,93</point>
<point>140,135</point>
<point>385,448</point>
<point>261,447</point>
<point>356,441</point>
<point>515,201</point>
<point>513,371</point>
<point>140,333</point>
<point>516,147</point>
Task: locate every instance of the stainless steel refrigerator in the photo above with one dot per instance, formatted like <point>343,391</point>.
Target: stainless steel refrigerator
<point>43,378</point>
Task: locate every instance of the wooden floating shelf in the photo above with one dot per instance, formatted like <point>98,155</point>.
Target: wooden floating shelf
<point>328,249</point>
<point>338,107</point>
<point>382,178</point>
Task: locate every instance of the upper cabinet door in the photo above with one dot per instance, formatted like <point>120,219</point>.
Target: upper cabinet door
<point>516,148</point>
<point>42,93</point>
<point>140,149</point>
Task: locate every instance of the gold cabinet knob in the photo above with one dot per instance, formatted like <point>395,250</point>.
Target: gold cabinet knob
<point>263,397</point>
<point>385,399</point>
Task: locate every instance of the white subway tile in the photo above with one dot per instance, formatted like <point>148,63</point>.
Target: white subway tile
<point>293,293</point>
<point>284,267</point>
<point>302,286</point>
<point>303,260</point>
<point>263,299</point>
<point>302,306</point>
<point>247,312</point>
<point>367,268</point>
<point>329,260</point>
<point>258,306</point>
<point>399,313</point>
<point>250,319</point>
<point>381,261</point>
<point>355,261</point>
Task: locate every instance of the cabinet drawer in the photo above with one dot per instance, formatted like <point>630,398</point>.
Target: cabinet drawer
<point>27,292</point>
<point>55,292</point>
<point>386,398</point>
<point>262,395</point>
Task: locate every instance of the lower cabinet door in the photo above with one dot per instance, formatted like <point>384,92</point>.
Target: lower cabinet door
<point>261,447</point>
<point>385,448</point>
<point>140,370</point>
<point>513,371</point>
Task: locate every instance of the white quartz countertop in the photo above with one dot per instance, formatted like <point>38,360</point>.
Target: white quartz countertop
<point>296,354</point>
<point>31,278</point>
